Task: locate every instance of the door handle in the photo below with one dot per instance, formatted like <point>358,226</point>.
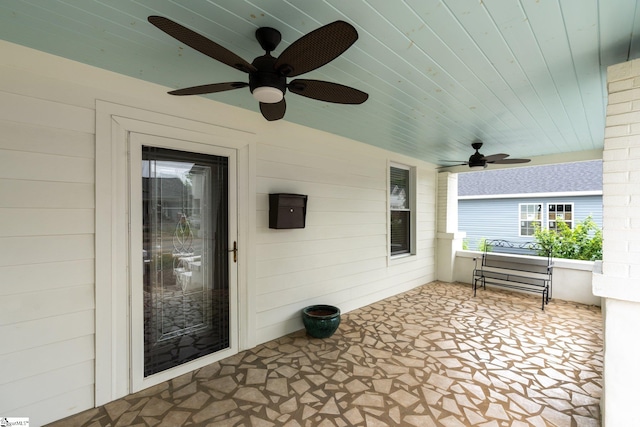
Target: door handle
<point>235,252</point>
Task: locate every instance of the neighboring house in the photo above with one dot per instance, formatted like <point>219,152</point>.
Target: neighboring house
<point>176,196</point>
<point>509,203</point>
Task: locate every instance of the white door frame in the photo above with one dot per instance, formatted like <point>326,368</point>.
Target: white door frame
<point>115,123</point>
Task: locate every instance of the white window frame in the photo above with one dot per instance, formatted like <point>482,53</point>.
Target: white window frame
<point>541,220</point>
<point>573,214</point>
<point>412,211</point>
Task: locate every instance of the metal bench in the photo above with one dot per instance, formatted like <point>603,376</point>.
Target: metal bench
<point>516,266</point>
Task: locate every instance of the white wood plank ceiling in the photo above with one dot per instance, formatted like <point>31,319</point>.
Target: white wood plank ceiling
<point>524,76</point>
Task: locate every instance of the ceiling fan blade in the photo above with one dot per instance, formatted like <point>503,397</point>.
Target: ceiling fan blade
<point>201,43</point>
<point>316,48</point>
<point>327,91</point>
<point>451,166</point>
<point>273,112</point>
<point>510,161</point>
<point>495,157</point>
<point>212,88</point>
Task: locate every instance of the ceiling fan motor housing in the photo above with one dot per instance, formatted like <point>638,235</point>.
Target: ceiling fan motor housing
<point>266,74</point>
<point>477,160</point>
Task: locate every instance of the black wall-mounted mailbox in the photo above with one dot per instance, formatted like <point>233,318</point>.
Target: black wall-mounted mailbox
<point>287,210</point>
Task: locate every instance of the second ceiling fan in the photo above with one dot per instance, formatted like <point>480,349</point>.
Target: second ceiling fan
<point>480,161</point>
<point>267,74</point>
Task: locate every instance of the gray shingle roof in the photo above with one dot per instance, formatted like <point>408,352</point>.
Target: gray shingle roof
<point>564,177</point>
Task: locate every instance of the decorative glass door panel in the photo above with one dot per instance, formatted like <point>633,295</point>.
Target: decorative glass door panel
<point>186,272</point>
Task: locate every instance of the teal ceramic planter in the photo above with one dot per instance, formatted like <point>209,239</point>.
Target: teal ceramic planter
<point>321,321</point>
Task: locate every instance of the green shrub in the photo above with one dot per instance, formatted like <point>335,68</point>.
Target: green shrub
<point>482,245</point>
<point>584,242</point>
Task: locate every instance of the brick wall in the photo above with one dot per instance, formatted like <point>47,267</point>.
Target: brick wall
<point>619,283</point>
<point>621,174</point>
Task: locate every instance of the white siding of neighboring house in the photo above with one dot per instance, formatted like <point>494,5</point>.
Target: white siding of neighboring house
<point>47,230</point>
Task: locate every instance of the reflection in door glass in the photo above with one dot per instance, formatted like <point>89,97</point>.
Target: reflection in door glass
<point>186,275</point>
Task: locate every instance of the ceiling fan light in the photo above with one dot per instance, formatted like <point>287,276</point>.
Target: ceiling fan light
<point>478,167</point>
<point>268,94</point>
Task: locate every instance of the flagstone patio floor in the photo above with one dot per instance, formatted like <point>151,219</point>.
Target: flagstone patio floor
<point>433,356</point>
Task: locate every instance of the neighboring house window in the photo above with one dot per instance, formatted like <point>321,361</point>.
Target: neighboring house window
<point>400,203</point>
<point>530,217</point>
<point>560,212</point>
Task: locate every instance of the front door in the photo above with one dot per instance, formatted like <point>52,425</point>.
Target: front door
<point>186,281</point>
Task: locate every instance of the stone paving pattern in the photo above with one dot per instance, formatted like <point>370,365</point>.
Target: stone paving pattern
<point>433,356</point>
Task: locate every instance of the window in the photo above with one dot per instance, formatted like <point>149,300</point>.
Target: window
<point>530,217</point>
<point>400,205</point>
<point>560,212</point>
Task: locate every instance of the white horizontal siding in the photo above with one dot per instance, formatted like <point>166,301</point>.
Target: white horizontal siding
<point>57,355</point>
<point>35,388</point>
<point>309,284</point>
<point>44,194</point>
<point>58,406</point>
<point>46,330</point>
<point>344,218</point>
<point>335,257</point>
<point>318,232</point>
<point>341,256</point>
<point>45,167</point>
<point>289,249</point>
<point>41,249</point>
<point>319,151</point>
<point>311,173</point>
<point>47,227</point>
<point>41,222</point>
<point>50,303</point>
<point>51,275</point>
<point>339,191</point>
<point>46,140</point>
<point>47,113</point>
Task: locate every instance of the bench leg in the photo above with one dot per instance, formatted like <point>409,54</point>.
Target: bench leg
<point>475,284</point>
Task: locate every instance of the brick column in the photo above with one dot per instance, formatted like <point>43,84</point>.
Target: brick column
<point>619,282</point>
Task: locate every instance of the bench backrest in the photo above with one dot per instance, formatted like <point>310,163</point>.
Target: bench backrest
<point>529,264</point>
<point>518,248</point>
<point>533,262</point>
